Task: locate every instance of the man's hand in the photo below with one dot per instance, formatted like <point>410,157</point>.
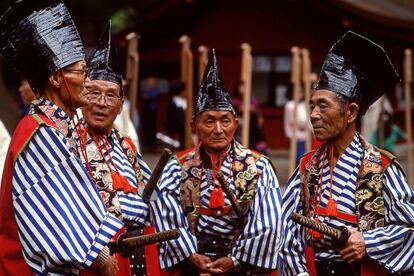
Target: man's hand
<point>220,266</point>
<point>200,262</point>
<point>110,268</point>
<point>354,249</point>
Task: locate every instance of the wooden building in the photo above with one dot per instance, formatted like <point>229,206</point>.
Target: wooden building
<point>270,27</point>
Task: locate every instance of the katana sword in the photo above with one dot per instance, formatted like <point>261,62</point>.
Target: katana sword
<point>125,244</point>
<point>339,236</point>
<point>226,189</point>
<point>156,174</point>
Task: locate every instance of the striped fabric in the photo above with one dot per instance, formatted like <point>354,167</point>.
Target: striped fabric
<point>63,223</point>
<point>386,244</point>
<point>259,241</point>
<point>134,210</point>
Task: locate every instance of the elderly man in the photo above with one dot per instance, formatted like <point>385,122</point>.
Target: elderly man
<point>110,158</point>
<point>52,218</point>
<point>346,181</point>
<point>214,237</point>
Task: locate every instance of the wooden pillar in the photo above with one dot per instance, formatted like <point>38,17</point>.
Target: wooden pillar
<point>306,79</point>
<point>296,80</point>
<point>202,63</point>
<point>407,95</point>
<point>246,77</point>
<point>132,72</point>
<point>187,78</point>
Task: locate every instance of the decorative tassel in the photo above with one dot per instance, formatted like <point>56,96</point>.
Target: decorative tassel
<point>331,208</point>
<point>216,199</point>
<point>116,181</point>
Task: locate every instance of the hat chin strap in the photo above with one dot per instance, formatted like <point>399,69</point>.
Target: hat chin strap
<point>65,83</point>
<point>79,133</point>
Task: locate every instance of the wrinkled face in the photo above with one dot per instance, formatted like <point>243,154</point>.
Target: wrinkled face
<point>326,117</point>
<point>74,81</point>
<point>215,129</point>
<point>105,103</point>
<point>26,92</point>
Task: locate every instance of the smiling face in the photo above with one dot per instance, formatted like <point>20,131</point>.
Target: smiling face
<point>105,103</point>
<point>215,129</point>
<point>326,117</point>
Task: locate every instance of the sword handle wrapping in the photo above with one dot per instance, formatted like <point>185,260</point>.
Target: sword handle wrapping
<point>340,236</point>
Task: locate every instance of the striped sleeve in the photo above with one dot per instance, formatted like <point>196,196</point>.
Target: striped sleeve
<point>168,214</point>
<point>260,240</point>
<point>134,209</point>
<point>292,254</point>
<point>392,245</point>
<point>62,221</point>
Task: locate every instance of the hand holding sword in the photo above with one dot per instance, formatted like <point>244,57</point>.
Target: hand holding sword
<point>350,242</point>
<point>339,236</point>
<point>126,242</point>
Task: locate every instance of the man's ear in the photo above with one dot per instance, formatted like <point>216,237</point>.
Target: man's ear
<point>121,107</point>
<point>55,80</point>
<point>353,111</point>
<point>193,126</point>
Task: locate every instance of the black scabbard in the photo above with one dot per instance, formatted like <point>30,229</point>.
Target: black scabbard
<point>156,174</point>
<point>226,189</point>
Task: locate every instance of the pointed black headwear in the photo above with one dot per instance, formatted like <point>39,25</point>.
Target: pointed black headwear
<point>104,64</point>
<point>213,94</point>
<point>38,38</point>
<point>358,69</point>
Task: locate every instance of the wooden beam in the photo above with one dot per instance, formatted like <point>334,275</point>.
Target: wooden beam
<point>307,87</point>
<point>296,80</point>
<point>246,77</point>
<point>132,73</point>
<point>407,95</point>
<point>202,63</point>
<point>187,78</point>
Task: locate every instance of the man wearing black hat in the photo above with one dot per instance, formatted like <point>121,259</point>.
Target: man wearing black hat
<point>111,159</point>
<point>52,218</point>
<point>218,235</point>
<point>346,181</point>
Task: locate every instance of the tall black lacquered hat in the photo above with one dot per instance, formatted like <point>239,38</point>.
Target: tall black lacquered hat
<point>358,69</point>
<point>213,94</point>
<point>104,64</point>
<point>38,38</point>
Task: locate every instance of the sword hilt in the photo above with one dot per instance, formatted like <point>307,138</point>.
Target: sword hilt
<point>340,236</point>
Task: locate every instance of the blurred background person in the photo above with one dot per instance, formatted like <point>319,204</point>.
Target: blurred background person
<point>392,133</point>
<point>123,121</point>
<point>176,112</point>
<point>302,123</point>
<point>149,95</point>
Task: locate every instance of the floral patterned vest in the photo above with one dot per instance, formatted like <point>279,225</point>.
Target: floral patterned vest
<point>101,173</point>
<point>368,195</point>
<point>245,172</point>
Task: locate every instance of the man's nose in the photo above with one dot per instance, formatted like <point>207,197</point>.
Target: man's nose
<point>314,114</point>
<point>218,128</point>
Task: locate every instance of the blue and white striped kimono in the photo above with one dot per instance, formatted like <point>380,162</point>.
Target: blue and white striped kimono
<point>391,246</point>
<point>63,223</point>
<point>259,241</point>
<point>128,207</point>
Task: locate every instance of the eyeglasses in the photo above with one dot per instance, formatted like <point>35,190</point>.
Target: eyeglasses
<point>83,72</point>
<point>110,98</point>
